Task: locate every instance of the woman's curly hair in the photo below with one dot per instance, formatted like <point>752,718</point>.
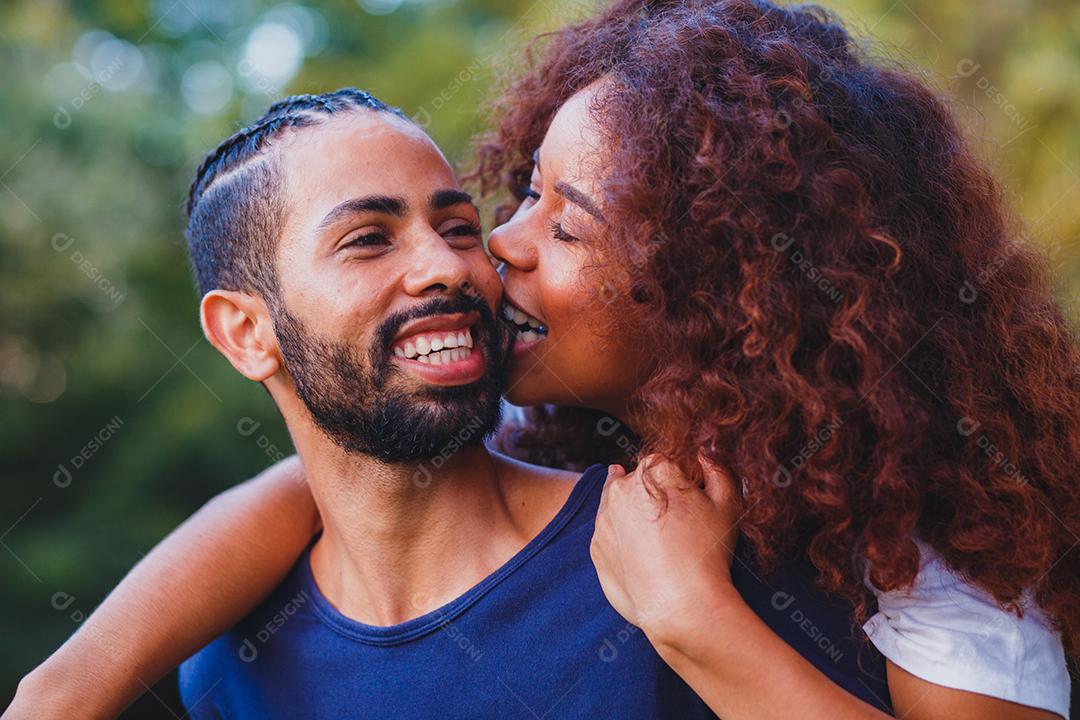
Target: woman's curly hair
<point>850,322</point>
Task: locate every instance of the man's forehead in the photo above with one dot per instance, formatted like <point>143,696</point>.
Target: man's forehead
<point>372,149</point>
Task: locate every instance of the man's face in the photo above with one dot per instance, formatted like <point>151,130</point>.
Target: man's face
<point>380,264</point>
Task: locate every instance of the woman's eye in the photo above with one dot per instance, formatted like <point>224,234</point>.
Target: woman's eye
<point>559,233</point>
<point>528,193</point>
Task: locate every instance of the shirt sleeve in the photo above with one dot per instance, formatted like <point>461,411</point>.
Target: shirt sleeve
<point>948,632</point>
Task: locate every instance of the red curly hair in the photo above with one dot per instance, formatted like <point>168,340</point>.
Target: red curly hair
<point>849,321</point>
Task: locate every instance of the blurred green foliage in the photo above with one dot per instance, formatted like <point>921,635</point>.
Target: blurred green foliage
<point>118,418</point>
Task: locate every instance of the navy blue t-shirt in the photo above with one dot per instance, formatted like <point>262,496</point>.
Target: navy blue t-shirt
<point>535,639</point>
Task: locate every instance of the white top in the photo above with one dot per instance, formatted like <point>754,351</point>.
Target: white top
<point>948,632</point>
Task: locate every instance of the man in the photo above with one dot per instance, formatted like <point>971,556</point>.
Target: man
<point>342,267</point>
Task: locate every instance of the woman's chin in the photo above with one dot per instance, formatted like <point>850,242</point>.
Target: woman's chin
<point>529,390</point>
<point>532,382</point>
<point>528,384</point>
<point>520,393</point>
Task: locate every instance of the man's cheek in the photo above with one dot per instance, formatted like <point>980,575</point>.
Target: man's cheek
<point>487,282</point>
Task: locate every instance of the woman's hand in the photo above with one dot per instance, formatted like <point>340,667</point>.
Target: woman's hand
<point>663,550</point>
<point>662,541</point>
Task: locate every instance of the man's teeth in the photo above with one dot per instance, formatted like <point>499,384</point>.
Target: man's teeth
<point>437,348</point>
<point>444,357</point>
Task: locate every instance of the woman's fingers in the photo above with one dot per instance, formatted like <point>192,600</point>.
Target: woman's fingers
<point>614,474</point>
<point>663,474</point>
<point>719,485</point>
<point>657,474</point>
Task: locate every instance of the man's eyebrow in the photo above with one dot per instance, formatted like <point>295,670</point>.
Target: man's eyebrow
<point>371,203</point>
<point>441,199</point>
<point>579,198</point>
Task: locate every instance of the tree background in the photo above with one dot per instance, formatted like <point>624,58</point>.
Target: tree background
<point>119,420</point>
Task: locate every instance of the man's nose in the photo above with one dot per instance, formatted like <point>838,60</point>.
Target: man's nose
<point>438,268</point>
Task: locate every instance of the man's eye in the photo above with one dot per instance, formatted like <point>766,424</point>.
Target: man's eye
<point>367,240</point>
<point>464,230</point>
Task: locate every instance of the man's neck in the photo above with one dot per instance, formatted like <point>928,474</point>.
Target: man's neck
<point>402,540</point>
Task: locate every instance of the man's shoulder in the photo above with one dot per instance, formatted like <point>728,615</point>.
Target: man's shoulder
<point>519,470</point>
<point>534,483</point>
<point>534,493</point>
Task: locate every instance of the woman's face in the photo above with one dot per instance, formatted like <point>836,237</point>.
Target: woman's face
<point>570,349</point>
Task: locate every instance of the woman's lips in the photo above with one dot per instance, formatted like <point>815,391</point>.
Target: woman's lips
<point>529,330</point>
<point>523,347</point>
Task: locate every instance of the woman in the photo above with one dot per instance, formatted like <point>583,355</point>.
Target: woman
<point>771,258</point>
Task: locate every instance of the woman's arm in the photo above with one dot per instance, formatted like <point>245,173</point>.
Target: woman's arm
<point>744,671</point>
<point>203,578</point>
<point>666,570</point>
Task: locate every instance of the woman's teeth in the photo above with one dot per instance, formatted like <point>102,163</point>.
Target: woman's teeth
<point>437,348</point>
<point>529,329</point>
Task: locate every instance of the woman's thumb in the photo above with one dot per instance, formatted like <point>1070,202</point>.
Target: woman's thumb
<point>719,484</point>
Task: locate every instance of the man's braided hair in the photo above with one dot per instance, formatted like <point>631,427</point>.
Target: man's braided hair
<point>235,207</point>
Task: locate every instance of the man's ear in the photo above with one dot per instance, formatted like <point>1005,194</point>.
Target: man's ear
<point>239,326</point>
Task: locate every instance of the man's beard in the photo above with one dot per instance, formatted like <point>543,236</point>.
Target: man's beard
<point>354,403</point>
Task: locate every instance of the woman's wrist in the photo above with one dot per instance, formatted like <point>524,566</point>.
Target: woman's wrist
<point>40,696</point>
<point>54,691</point>
<point>678,633</point>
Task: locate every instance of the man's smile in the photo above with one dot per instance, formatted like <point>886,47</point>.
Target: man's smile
<point>441,349</point>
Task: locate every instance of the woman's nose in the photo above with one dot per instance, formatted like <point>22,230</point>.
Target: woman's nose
<point>509,244</point>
